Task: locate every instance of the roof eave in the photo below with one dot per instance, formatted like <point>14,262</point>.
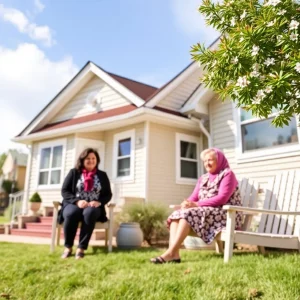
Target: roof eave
<point>139,115</point>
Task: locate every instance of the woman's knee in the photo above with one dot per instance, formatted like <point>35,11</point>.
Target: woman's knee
<point>72,211</point>
<point>91,214</point>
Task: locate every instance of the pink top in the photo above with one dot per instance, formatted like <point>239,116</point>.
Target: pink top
<point>227,186</point>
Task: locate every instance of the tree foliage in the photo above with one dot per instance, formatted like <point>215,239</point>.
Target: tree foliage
<point>257,62</point>
<point>2,160</point>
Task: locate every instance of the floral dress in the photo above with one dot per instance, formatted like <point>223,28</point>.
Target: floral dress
<point>90,195</point>
<point>208,221</point>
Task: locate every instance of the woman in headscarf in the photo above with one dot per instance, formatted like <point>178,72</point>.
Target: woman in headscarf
<point>202,212</point>
<point>85,192</point>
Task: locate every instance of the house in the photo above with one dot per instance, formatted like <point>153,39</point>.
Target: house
<point>14,168</point>
<point>149,139</point>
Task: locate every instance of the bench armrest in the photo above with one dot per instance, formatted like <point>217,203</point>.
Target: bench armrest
<point>257,210</point>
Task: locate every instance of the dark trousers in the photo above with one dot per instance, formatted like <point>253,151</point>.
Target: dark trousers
<point>72,216</point>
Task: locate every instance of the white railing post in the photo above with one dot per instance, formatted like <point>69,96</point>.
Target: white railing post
<point>15,202</point>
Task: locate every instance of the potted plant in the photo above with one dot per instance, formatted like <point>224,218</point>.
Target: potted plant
<point>35,202</point>
<point>139,222</point>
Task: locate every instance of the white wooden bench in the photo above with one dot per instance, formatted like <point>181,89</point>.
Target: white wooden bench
<point>279,225</point>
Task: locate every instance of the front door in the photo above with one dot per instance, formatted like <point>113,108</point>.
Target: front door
<point>82,144</point>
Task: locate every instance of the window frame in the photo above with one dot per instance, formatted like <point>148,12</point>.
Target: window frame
<point>51,144</point>
<point>190,139</point>
<point>285,150</point>
<point>117,138</point>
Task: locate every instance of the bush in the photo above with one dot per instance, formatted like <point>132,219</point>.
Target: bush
<point>35,198</point>
<point>7,186</point>
<point>151,217</point>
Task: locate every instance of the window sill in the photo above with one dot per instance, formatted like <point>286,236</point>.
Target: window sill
<point>259,155</point>
<point>123,180</point>
<point>49,187</point>
<point>186,181</point>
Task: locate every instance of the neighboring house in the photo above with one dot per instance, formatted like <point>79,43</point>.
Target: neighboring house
<point>14,168</point>
<point>149,139</point>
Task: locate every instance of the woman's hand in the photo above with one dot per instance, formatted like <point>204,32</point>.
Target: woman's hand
<point>94,204</point>
<point>82,203</point>
<point>188,204</point>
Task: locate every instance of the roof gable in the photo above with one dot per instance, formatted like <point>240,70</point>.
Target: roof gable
<point>143,90</point>
<point>163,92</point>
<point>131,90</point>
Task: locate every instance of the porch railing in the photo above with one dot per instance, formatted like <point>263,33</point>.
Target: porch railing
<point>15,203</point>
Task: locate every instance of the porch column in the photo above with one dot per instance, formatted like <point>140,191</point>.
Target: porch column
<point>27,179</point>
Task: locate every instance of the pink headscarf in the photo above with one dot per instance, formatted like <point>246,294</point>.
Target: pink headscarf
<point>222,163</point>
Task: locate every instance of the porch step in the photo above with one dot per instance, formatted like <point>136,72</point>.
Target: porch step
<point>43,228</point>
<point>45,220</point>
<point>38,226</point>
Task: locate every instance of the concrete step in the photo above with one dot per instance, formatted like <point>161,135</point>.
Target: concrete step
<point>46,233</point>
<point>38,226</point>
<point>35,233</point>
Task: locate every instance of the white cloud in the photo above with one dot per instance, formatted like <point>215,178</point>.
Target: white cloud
<point>39,5</point>
<point>191,22</point>
<point>28,81</point>
<point>19,20</point>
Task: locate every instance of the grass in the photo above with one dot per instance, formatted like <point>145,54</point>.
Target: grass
<point>3,220</point>
<point>30,272</point>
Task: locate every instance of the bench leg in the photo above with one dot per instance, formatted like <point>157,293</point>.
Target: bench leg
<point>58,235</point>
<point>106,237</point>
<point>261,250</point>
<point>230,226</point>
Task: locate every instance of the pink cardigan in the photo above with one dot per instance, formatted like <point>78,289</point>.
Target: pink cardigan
<point>226,189</point>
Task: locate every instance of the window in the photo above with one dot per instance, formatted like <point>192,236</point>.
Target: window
<point>258,139</point>
<point>261,134</point>
<point>51,164</point>
<point>123,161</point>
<point>187,158</point>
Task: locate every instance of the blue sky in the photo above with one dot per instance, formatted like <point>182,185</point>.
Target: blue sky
<point>43,43</point>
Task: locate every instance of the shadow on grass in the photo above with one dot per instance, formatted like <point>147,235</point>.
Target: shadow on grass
<point>270,253</point>
<point>103,250</point>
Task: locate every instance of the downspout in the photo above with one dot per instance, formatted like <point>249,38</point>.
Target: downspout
<point>27,180</point>
<point>203,129</point>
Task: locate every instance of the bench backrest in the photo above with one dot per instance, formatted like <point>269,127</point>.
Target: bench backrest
<point>249,193</point>
<point>283,193</point>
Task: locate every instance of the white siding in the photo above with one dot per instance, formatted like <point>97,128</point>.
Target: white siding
<point>77,107</point>
<point>127,189</point>
<point>49,195</point>
<point>178,96</point>
<point>223,132</point>
<point>162,166</point>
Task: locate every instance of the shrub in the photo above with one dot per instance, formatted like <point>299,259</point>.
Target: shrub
<point>151,217</point>
<point>35,198</point>
<point>7,186</point>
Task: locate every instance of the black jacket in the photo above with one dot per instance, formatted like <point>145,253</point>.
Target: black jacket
<point>68,191</point>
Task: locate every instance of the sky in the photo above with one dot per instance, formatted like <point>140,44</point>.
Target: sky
<point>44,43</point>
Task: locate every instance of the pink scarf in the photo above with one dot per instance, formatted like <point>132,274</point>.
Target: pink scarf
<point>222,164</point>
<point>88,179</point>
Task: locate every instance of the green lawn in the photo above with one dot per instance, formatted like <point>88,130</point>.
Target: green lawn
<point>3,220</point>
<point>30,272</point>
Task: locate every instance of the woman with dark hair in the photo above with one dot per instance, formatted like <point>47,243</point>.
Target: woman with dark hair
<point>85,192</point>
